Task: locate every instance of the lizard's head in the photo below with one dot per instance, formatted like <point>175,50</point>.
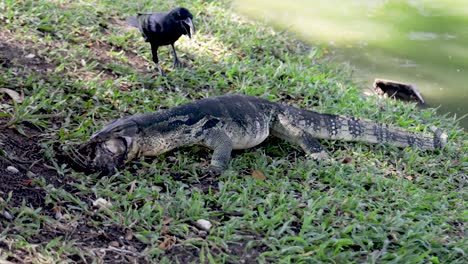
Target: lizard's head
<point>111,154</point>
<point>104,157</point>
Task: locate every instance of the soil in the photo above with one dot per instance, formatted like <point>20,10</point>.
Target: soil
<point>23,153</point>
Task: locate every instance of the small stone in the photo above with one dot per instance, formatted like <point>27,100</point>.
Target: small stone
<point>12,169</point>
<point>7,215</point>
<point>58,215</point>
<point>114,244</point>
<point>203,224</point>
<point>30,56</point>
<point>101,203</point>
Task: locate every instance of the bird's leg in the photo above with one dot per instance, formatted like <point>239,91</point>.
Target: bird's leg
<point>177,62</point>
<point>154,51</point>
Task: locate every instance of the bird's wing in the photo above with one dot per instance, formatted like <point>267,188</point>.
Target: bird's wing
<point>140,19</point>
<point>149,24</point>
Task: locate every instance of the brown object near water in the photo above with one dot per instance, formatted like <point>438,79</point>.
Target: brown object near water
<point>399,90</point>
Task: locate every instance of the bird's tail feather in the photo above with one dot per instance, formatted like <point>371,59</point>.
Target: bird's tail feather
<point>133,21</point>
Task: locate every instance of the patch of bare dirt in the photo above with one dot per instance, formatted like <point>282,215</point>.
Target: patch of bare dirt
<point>239,252</point>
<point>107,244</point>
<point>22,166</point>
<point>24,56</point>
<point>20,55</point>
<point>102,51</point>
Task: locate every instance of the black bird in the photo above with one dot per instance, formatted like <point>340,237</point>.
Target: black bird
<point>163,28</point>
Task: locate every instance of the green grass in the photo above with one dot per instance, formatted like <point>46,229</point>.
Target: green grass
<point>386,205</point>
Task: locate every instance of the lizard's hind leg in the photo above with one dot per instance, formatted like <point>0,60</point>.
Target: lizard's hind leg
<point>284,129</point>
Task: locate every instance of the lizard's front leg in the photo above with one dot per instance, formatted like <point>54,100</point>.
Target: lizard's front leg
<point>221,144</point>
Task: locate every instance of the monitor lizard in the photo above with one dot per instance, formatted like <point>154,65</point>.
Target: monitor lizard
<point>229,122</point>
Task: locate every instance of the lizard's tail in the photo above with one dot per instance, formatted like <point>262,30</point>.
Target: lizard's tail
<point>354,129</point>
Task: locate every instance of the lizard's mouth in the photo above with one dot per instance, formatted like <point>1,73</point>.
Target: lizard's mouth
<point>103,157</point>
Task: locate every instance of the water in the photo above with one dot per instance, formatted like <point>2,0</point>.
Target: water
<point>423,42</point>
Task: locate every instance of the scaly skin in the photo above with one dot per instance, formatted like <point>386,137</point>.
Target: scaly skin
<point>230,122</point>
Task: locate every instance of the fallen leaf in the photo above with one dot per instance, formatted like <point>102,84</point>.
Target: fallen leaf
<point>409,178</point>
<point>309,253</point>
<point>114,244</point>
<point>56,209</point>
<point>164,231</point>
<point>346,160</point>
<point>13,94</point>
<point>28,182</point>
<point>256,174</point>
<point>57,212</point>
<point>129,235</point>
<point>132,186</point>
<point>167,221</point>
<point>168,243</point>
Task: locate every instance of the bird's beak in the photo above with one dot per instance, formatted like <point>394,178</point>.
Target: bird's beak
<point>189,23</point>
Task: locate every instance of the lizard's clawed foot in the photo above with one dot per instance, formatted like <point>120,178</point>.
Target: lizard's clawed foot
<point>212,172</point>
<point>322,155</point>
